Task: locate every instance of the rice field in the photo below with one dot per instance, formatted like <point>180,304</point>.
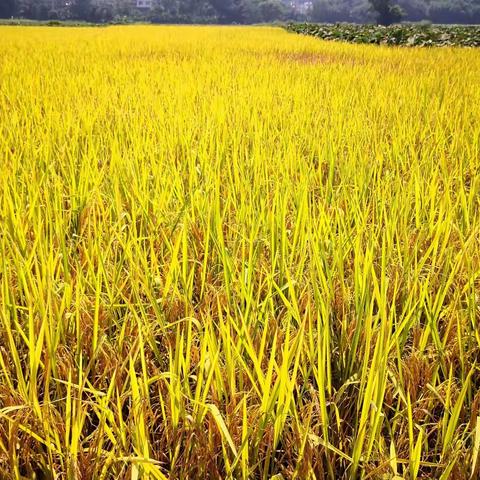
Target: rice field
<point>237,253</point>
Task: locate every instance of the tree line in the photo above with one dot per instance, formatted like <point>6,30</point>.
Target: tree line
<point>161,11</point>
<point>246,11</point>
<point>385,11</point>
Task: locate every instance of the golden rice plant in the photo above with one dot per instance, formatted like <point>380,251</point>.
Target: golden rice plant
<point>237,253</point>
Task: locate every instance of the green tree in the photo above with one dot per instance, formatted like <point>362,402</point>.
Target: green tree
<point>8,8</point>
<point>230,11</point>
<point>81,9</point>
<point>386,12</point>
<point>271,10</point>
<point>122,7</point>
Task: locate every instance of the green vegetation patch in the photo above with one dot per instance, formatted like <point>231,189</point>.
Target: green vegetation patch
<point>25,22</point>
<point>404,34</point>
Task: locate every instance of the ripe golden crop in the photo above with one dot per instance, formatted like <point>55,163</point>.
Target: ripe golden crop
<point>231,252</point>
